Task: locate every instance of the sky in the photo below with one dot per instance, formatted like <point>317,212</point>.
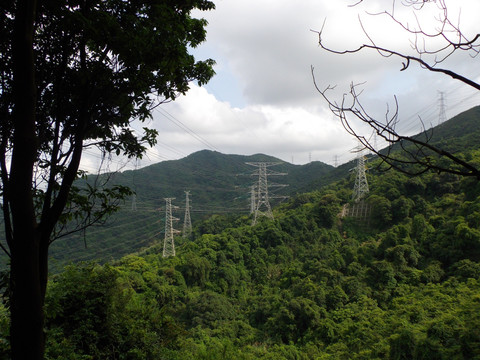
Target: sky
<point>263,100</point>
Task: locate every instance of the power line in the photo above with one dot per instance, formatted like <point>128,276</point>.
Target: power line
<point>185,128</point>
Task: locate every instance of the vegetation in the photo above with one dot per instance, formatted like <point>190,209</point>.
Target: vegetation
<point>75,75</point>
<point>128,231</point>
<point>226,192</point>
<point>308,285</point>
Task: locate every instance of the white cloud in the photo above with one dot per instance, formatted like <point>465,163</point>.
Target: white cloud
<point>279,131</point>
<point>263,99</point>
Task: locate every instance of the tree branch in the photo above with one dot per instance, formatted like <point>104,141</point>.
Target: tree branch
<point>418,155</point>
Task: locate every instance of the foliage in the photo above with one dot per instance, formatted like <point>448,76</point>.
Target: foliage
<point>92,313</point>
<point>307,285</point>
<point>75,75</point>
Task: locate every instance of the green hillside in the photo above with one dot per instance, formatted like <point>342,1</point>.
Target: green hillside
<point>458,135</point>
<point>218,184</point>
<point>464,126</point>
<point>213,176</point>
<point>402,283</point>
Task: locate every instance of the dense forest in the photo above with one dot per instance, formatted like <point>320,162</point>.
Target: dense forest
<point>400,284</point>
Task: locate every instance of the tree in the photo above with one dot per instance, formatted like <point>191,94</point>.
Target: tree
<point>74,75</point>
<point>430,50</point>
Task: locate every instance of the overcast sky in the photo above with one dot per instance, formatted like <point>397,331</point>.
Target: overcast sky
<point>263,100</point>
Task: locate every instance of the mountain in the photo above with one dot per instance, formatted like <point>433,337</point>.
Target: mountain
<point>456,135</point>
<point>399,281</point>
<point>218,184</point>
<point>459,134</point>
<point>214,179</point>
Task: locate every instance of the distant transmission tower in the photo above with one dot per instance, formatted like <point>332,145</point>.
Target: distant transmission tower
<point>252,199</point>
<point>169,242</point>
<point>361,185</point>
<point>187,222</point>
<point>262,200</point>
<point>442,116</point>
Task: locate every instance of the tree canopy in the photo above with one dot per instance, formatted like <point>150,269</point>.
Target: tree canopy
<point>74,75</point>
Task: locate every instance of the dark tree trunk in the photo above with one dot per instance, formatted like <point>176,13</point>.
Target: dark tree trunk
<point>27,337</point>
<point>28,249</point>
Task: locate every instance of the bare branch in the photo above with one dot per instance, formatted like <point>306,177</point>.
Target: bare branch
<point>417,156</point>
<point>408,58</point>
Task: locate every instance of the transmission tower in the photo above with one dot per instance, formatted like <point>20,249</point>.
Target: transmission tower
<point>168,242</point>
<point>442,116</point>
<point>262,199</point>
<point>187,223</point>
<point>252,199</point>
<point>361,185</point>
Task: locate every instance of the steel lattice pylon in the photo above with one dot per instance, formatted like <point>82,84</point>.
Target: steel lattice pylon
<point>169,242</point>
<point>361,185</point>
<point>187,222</point>
<point>134,202</point>
<point>260,200</point>
<point>262,204</point>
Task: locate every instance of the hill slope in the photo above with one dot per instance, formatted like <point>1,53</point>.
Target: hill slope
<point>218,184</point>
<point>214,178</point>
<point>459,133</point>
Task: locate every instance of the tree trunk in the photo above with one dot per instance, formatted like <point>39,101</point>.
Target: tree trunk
<point>29,251</point>
<point>27,338</point>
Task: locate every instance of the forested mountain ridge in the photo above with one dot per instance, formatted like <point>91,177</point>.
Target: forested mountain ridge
<point>401,284</point>
<point>458,135</point>
<point>218,183</point>
<point>213,176</point>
